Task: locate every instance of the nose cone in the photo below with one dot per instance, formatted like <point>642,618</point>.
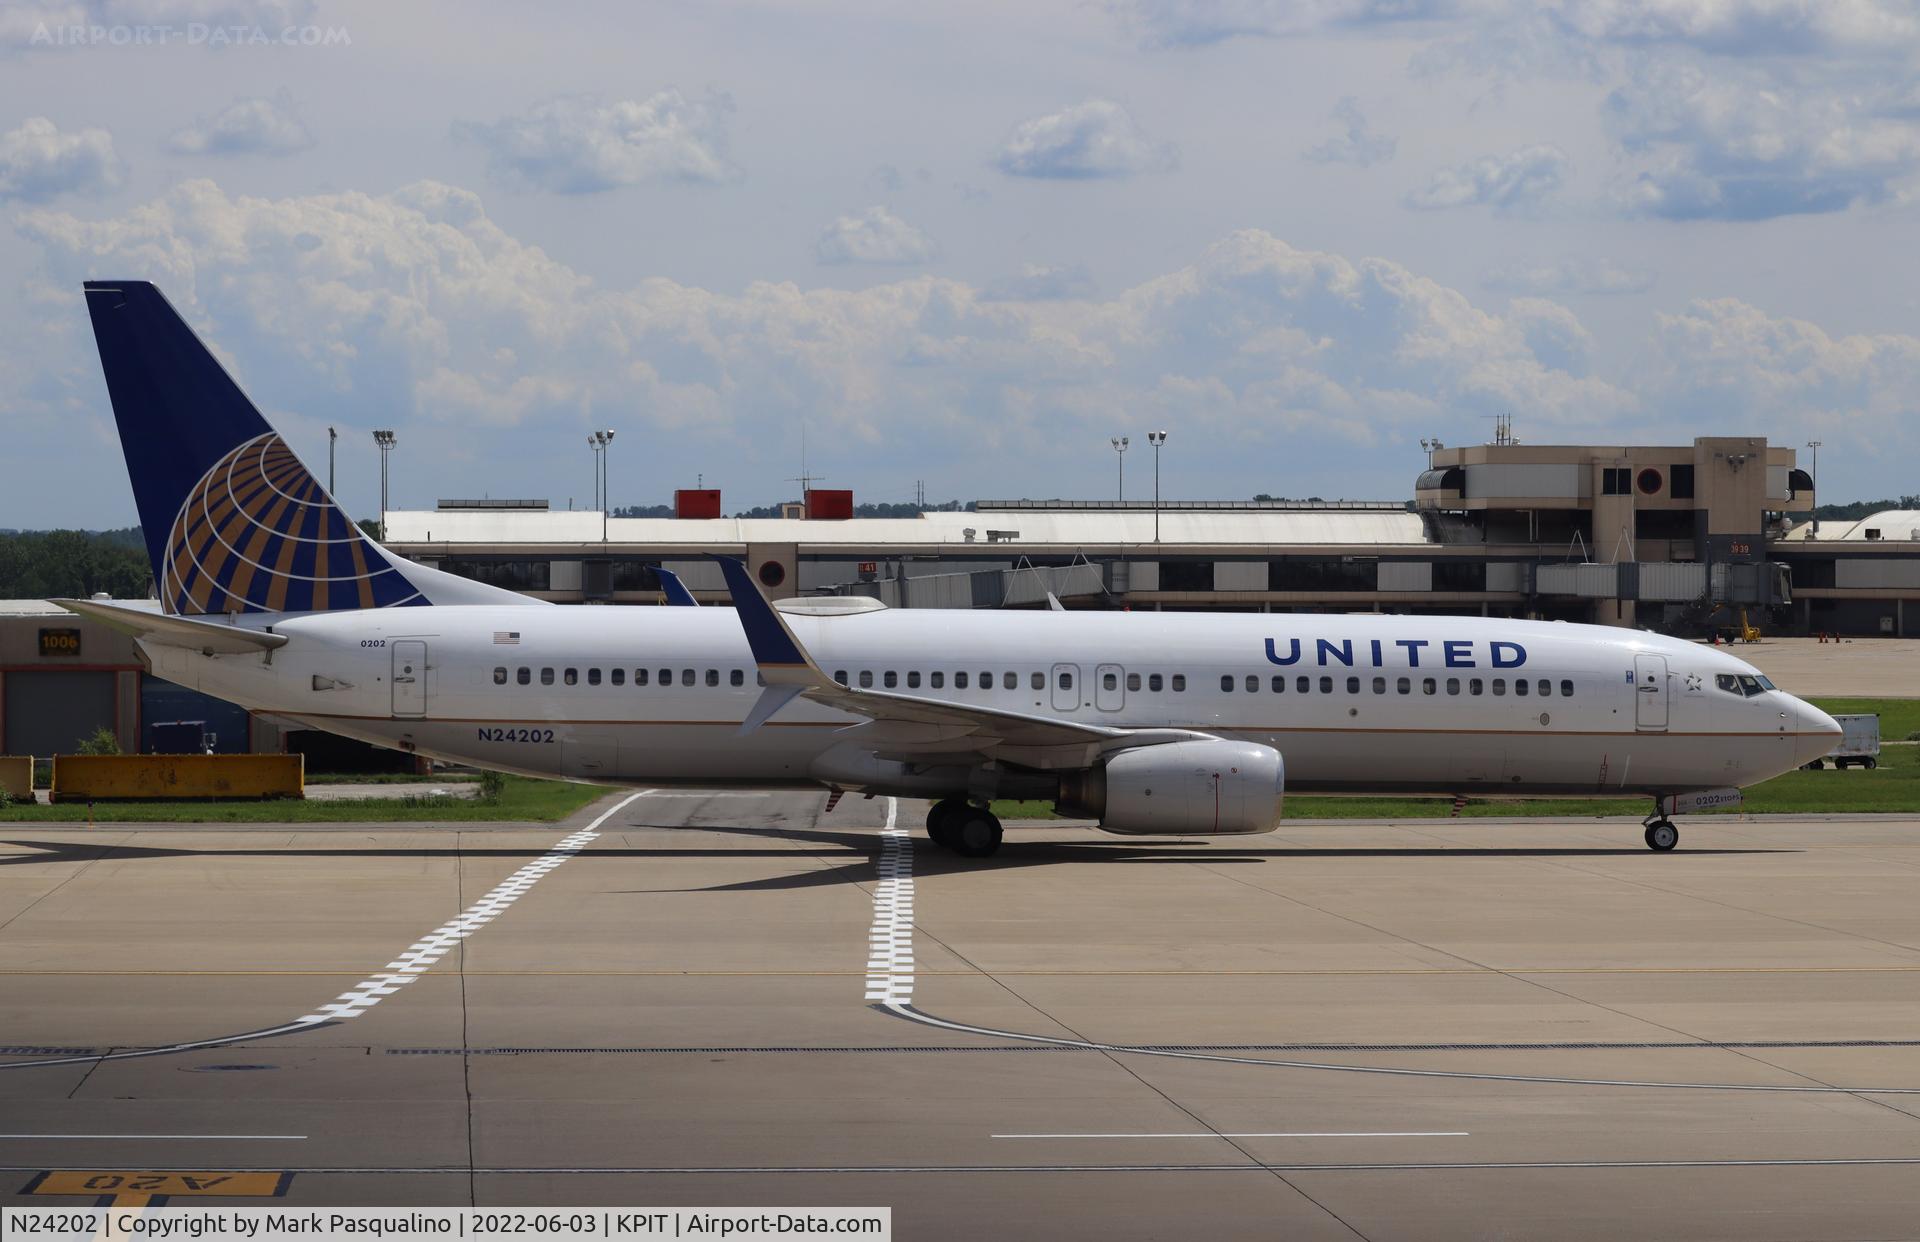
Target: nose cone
<point>1819,732</point>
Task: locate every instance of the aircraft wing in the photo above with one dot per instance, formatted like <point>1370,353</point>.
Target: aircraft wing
<point>907,726</point>
<point>207,637</point>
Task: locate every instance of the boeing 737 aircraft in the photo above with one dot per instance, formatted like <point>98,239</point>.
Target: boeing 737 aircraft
<point>1155,723</point>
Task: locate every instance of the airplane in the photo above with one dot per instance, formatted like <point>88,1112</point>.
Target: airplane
<point>1148,723</point>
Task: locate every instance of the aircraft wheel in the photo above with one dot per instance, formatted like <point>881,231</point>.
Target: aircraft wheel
<point>940,820</point>
<point>1662,835</point>
<point>976,834</point>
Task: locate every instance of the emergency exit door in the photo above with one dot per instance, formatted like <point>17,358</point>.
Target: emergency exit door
<point>409,678</point>
<point>1650,693</point>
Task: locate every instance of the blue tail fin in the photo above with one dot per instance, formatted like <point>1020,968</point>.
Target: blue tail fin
<point>233,521</point>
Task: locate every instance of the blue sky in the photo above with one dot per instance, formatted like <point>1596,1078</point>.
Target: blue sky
<point>965,244</point>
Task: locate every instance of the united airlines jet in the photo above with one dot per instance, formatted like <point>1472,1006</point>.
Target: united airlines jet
<point>1146,722</point>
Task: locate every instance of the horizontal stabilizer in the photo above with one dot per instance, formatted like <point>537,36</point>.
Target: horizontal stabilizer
<point>207,637</point>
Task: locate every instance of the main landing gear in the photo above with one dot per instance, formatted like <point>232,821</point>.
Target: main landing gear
<point>1661,834</point>
<point>968,830</point>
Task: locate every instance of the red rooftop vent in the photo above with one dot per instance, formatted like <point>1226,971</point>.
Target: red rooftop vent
<point>697,502</point>
<point>829,505</point>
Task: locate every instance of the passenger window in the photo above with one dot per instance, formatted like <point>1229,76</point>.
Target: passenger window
<point>666,677</point>
<point>1499,687</point>
<point>571,677</point>
<point>1279,684</point>
<point>1453,685</point>
<point>1253,683</point>
<point>960,680</point>
<point>913,679</point>
<point>1154,682</point>
<point>1566,688</point>
<point>523,674</point>
<point>1429,686</point>
<point>866,679</point>
<point>686,677</point>
<point>1009,681</point>
<point>1404,685</point>
<point>736,678</point>
<point>1037,680</point>
<point>618,676</point>
<point>1353,685</point>
<point>546,677</point>
<point>1379,685</point>
<point>937,680</point>
<point>1109,681</point>
<point>1326,685</point>
<point>1520,687</point>
<point>639,676</point>
<point>1546,688</point>
<point>713,677</point>
<point>593,677</point>
<point>1226,682</point>
<point>1475,685</point>
<point>1180,682</point>
<point>1066,681</point>
<point>499,676</point>
<point>840,675</point>
<point>890,679</point>
<point>1133,681</point>
<point>1303,684</point>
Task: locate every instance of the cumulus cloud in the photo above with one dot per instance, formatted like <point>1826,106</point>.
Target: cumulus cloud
<point>1088,140</point>
<point>254,126</point>
<point>1727,146</point>
<point>1570,276</point>
<point>875,235</point>
<point>1357,143</point>
<point>38,162</point>
<point>1039,282</point>
<point>416,302</point>
<point>1509,182</point>
<point>582,144</point>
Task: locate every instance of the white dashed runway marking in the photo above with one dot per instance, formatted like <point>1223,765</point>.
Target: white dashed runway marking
<point>890,941</point>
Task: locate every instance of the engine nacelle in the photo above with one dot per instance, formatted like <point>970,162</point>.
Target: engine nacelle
<point>1197,788</point>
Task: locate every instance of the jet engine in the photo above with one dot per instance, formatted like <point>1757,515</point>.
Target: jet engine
<point>1197,788</point>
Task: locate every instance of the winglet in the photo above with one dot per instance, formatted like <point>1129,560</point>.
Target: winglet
<point>782,660</point>
<point>675,590</point>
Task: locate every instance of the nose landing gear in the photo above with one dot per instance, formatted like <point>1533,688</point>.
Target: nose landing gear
<point>1660,832</point>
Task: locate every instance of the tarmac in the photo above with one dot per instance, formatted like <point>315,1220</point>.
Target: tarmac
<point>1873,668</point>
<point>1477,1029</point>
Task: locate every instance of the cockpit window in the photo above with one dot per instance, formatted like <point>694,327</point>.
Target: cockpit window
<point>1727,682</point>
<point>1766,684</point>
<point>1751,686</point>
<point>1742,684</point>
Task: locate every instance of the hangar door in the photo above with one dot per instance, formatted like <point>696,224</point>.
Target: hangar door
<point>50,712</point>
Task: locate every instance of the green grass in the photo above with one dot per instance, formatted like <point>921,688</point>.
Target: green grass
<point>522,799</point>
<point>1892,787</point>
<point>1899,718</point>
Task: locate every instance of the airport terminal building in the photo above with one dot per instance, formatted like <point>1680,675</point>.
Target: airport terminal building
<point>1675,537</point>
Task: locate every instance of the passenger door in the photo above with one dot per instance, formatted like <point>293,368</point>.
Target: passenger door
<point>1066,687</point>
<point>1109,687</point>
<point>1650,693</point>
<point>409,678</point>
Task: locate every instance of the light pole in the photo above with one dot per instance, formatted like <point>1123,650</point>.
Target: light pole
<point>599,442</point>
<point>386,441</point>
<point>332,435</point>
<point>1815,446</point>
<point>1157,439</point>
<point>1120,451</point>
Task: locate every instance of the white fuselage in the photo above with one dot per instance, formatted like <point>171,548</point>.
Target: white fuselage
<point>655,696</point>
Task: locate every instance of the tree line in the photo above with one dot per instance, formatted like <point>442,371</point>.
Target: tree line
<point>73,564</point>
